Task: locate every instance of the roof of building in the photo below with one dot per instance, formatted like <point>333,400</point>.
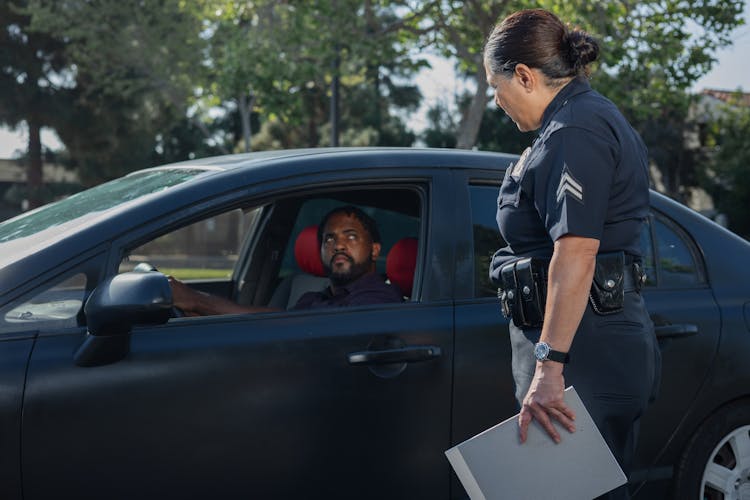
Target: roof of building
<point>729,96</point>
<point>14,171</point>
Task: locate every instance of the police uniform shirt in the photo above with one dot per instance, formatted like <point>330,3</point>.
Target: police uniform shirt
<point>586,175</point>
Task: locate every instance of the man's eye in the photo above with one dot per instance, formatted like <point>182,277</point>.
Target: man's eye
<point>352,237</point>
<point>327,239</point>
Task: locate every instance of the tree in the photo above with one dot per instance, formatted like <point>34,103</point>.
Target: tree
<point>132,68</point>
<point>33,86</point>
<point>652,51</point>
<point>458,32</point>
<point>728,177</point>
<point>284,58</point>
<point>652,54</point>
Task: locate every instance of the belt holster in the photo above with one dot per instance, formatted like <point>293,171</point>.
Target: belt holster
<point>523,287</point>
<point>523,291</point>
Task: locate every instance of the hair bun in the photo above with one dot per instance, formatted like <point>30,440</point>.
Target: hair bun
<point>582,49</point>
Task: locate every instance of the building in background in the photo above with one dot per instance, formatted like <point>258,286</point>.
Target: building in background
<point>58,182</point>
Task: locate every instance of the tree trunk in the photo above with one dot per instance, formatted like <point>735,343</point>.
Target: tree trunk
<point>34,165</point>
<point>334,111</point>
<point>245,110</point>
<point>472,118</point>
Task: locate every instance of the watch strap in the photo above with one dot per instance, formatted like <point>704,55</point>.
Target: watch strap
<point>560,357</point>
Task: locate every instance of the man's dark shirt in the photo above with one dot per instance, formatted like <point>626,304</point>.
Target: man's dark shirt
<point>369,289</point>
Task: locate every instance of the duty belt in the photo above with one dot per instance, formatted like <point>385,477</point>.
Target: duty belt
<point>523,290</point>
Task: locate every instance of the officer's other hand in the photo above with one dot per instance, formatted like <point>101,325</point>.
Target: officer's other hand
<point>544,402</point>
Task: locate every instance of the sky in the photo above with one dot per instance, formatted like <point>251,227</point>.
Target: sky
<point>440,85</point>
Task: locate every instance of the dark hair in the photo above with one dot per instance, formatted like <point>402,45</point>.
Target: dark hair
<point>368,222</point>
<point>538,39</point>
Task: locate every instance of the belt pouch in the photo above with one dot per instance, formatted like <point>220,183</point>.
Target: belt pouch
<point>509,295</point>
<point>608,286</point>
<point>532,297</point>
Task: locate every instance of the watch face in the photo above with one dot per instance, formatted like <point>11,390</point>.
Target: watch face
<point>541,351</point>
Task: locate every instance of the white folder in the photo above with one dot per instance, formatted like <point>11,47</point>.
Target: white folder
<point>495,465</point>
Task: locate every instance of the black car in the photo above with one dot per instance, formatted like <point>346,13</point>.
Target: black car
<point>108,393</point>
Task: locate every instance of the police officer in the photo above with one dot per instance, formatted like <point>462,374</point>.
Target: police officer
<point>571,210</point>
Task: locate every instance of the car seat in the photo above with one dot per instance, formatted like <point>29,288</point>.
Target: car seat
<point>311,279</point>
<point>401,264</point>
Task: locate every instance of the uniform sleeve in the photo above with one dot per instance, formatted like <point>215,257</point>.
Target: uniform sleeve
<point>572,194</point>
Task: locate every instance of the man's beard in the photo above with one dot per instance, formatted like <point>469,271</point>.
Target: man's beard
<point>344,277</point>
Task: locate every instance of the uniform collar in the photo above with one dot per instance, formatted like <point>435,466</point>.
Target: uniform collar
<point>576,86</point>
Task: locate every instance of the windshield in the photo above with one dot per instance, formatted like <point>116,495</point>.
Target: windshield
<point>94,200</point>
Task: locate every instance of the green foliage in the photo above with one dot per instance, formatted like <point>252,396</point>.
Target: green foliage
<point>285,55</point>
<point>132,84</point>
<point>499,133</point>
<point>729,177</point>
<point>131,67</point>
<point>441,128</point>
<point>34,86</point>
<point>651,53</point>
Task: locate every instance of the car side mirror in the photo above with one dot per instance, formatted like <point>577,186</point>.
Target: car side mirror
<point>115,307</point>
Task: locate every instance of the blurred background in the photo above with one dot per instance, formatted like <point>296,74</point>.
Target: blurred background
<point>93,89</point>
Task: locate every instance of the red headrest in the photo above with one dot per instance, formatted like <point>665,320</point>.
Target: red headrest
<point>401,262</point>
<point>307,251</point>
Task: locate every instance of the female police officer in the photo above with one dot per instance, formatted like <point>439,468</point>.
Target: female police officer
<point>571,211</point>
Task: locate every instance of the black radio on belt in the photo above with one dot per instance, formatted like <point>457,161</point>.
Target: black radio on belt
<point>523,287</point>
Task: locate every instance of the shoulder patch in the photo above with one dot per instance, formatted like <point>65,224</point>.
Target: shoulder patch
<point>516,171</point>
<point>569,186</point>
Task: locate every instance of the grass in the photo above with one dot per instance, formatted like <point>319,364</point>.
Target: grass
<point>186,273</point>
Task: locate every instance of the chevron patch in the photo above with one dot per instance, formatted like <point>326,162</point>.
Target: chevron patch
<point>570,186</point>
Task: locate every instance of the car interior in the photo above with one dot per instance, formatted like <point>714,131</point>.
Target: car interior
<point>267,254</point>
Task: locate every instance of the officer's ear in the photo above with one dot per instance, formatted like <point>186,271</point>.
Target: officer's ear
<point>526,77</point>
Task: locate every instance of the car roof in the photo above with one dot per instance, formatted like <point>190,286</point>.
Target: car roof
<point>221,174</point>
<point>443,157</point>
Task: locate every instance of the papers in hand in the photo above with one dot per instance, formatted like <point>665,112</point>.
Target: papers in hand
<point>495,465</point>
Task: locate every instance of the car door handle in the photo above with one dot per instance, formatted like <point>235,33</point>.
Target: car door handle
<point>408,354</point>
<point>671,331</point>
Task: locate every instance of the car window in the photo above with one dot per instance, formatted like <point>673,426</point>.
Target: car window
<point>487,237</point>
<point>207,249</point>
<point>392,226</point>
<point>54,306</point>
<point>669,258</point>
<point>677,265</point>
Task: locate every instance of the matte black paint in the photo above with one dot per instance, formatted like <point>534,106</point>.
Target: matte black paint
<point>270,406</point>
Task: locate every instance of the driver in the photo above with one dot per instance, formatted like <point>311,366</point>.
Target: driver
<point>349,246</point>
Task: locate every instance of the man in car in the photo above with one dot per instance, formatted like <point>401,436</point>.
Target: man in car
<point>349,246</point>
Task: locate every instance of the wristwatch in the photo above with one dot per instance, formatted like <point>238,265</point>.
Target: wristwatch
<point>543,352</point>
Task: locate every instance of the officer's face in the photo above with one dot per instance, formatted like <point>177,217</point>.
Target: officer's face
<point>515,99</point>
<point>347,250</point>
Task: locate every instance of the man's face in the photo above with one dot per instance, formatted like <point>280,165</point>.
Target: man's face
<point>347,250</point>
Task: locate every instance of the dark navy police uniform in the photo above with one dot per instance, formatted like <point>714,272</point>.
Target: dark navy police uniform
<point>586,175</point>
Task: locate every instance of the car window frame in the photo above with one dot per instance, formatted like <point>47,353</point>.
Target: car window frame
<point>692,246</point>
<point>91,263</point>
<point>302,187</point>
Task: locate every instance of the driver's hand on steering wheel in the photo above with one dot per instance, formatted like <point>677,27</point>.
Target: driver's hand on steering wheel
<point>183,297</point>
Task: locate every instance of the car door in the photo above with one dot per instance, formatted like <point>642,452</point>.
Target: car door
<point>688,326</point>
<point>483,382</point>
<point>329,403</point>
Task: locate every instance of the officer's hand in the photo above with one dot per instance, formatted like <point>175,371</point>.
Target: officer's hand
<point>544,402</point>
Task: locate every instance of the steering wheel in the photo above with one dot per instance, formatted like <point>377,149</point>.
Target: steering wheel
<point>147,267</point>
